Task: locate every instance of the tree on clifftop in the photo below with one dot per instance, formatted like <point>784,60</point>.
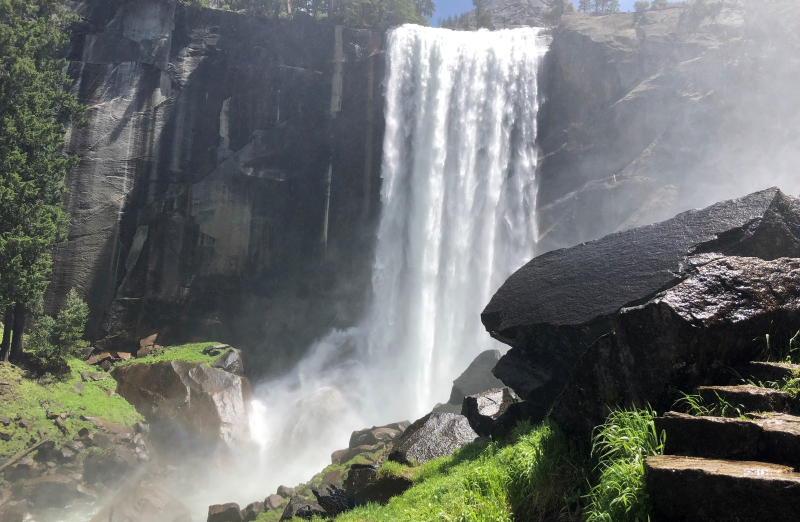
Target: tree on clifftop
<point>33,111</point>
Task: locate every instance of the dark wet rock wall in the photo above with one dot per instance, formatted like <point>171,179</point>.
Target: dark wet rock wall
<point>229,181</point>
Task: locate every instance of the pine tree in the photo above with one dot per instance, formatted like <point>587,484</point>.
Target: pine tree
<point>585,6</point>
<point>33,110</point>
<point>483,18</point>
<point>641,6</point>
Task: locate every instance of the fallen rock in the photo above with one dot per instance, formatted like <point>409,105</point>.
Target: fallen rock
<point>229,512</point>
<point>47,491</point>
<point>187,405</point>
<point>285,491</point>
<point>382,489</point>
<point>333,499</point>
<point>215,349</point>
<point>364,486</point>
<point>702,490</point>
<point>110,466</point>
<point>373,435</point>
<point>516,413</point>
<point>99,358</point>
<point>252,510</point>
<point>148,504</point>
<point>434,435</point>
<point>359,476</point>
<point>301,508</point>
<point>483,409</point>
<point>552,309</point>
<point>343,455</point>
<point>230,362</point>
<point>273,501</point>
<point>148,342</point>
<point>477,378</point>
<point>682,338</point>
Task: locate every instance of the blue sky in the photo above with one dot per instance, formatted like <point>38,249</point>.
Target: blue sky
<point>445,8</point>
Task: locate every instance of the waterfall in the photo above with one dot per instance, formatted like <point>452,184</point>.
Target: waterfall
<point>458,199</point>
<point>458,202</point>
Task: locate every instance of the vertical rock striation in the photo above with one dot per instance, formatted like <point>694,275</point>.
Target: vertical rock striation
<point>226,177</point>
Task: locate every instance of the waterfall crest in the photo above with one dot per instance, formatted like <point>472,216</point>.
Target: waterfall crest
<point>458,200</point>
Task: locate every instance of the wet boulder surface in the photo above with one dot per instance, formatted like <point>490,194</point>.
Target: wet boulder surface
<point>682,338</point>
<point>555,307</point>
<point>434,435</point>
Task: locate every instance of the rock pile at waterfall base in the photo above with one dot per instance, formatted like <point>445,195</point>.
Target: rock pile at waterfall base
<point>555,307</point>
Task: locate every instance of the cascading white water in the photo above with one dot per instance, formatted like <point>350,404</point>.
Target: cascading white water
<point>458,200</point>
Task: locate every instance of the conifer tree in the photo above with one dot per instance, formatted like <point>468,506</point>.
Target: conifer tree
<point>34,107</point>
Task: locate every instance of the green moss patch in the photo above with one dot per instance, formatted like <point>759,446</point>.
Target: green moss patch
<point>26,402</point>
<point>192,353</point>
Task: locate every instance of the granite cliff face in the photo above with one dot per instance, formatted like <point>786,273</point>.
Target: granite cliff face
<point>229,183</point>
<point>650,114</point>
<point>229,178</point>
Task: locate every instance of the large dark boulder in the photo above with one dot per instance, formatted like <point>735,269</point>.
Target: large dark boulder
<point>434,435</point>
<point>558,304</point>
<point>188,405</point>
<point>684,337</point>
<point>300,507</point>
<point>333,499</point>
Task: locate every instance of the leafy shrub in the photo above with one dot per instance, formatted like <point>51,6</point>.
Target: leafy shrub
<point>52,340</point>
<point>641,6</point>
<point>621,446</point>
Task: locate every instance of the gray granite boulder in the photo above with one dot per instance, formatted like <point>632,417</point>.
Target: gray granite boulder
<point>434,435</point>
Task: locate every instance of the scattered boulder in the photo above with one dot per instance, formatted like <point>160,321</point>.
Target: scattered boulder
<point>273,501</point>
<point>374,435</point>
<point>682,338</point>
<point>333,499</point>
<point>110,466</point>
<point>477,378</point>
<point>434,435</point>
<point>514,414</point>
<point>187,405</point>
<point>215,349</point>
<point>552,309</point>
<point>47,491</point>
<point>149,504</point>
<point>285,491</point>
<point>483,409</point>
<point>230,362</point>
<point>343,455</point>
<point>301,508</point>
<point>229,512</point>
<point>364,486</point>
<point>359,476</point>
<point>252,510</point>
<point>146,346</point>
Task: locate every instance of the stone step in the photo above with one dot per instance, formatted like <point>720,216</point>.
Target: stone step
<point>766,438</point>
<point>689,489</point>
<point>769,371</point>
<point>750,398</point>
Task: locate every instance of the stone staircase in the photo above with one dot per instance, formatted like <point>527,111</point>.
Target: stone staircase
<point>731,469</point>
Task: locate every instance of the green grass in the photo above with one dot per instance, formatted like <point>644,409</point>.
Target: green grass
<point>719,407</point>
<point>30,399</point>
<point>539,476</point>
<point>192,353</point>
<point>621,446</point>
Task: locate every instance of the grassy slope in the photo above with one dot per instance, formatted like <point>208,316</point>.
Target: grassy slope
<point>537,477</point>
<point>192,353</point>
<point>31,401</point>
